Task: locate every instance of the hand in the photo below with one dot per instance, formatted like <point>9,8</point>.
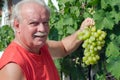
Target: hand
<point>86,23</point>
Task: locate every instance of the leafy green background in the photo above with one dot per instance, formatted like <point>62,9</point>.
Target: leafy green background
<point>106,14</point>
<point>6,36</point>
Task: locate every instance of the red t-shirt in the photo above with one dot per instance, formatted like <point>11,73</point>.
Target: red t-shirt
<point>34,66</point>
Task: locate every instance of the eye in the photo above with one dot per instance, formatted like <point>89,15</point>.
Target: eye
<point>46,23</point>
<point>34,23</point>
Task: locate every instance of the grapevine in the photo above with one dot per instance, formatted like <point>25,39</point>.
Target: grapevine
<point>94,40</point>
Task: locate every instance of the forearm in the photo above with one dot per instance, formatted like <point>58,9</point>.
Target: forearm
<point>64,47</point>
<point>71,43</point>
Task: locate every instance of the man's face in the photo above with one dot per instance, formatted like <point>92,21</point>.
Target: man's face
<point>34,25</point>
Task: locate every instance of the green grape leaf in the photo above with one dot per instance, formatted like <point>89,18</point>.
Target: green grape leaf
<point>102,21</point>
<point>87,14</point>
<point>113,67</point>
<point>103,4</point>
<point>70,30</point>
<point>68,21</point>
<point>75,10</point>
<point>117,17</point>
<point>112,50</point>
<point>93,2</point>
<point>116,41</point>
<point>108,23</point>
<point>112,2</point>
<point>114,15</point>
<point>59,24</point>
<point>113,57</point>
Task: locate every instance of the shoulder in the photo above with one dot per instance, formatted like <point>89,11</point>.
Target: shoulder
<point>11,71</point>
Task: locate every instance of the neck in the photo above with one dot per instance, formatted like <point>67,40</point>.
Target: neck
<point>32,50</point>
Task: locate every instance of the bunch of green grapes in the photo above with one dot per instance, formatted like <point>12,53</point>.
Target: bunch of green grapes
<point>93,43</point>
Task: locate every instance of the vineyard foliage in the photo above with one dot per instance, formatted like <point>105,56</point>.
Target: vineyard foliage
<point>106,14</point>
<point>6,36</point>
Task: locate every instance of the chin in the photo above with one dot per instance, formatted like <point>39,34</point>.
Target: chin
<point>40,44</point>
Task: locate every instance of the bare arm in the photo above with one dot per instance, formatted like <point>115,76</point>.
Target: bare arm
<point>64,47</point>
<point>56,49</point>
<point>69,44</point>
<point>11,72</point>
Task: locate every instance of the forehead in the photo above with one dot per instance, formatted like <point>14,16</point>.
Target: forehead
<point>34,10</point>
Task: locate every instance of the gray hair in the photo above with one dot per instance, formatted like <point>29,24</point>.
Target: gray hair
<point>17,9</point>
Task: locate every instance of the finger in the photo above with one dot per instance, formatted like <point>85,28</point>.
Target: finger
<point>90,21</point>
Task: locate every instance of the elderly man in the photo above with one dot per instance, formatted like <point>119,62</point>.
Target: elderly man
<point>29,56</point>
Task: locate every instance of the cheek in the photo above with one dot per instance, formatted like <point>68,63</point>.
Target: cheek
<point>28,32</point>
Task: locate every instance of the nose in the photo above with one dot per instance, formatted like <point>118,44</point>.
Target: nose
<point>41,27</point>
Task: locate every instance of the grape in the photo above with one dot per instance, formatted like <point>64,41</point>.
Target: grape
<point>84,34</point>
<point>96,35</point>
<point>92,38</point>
<point>93,43</point>
<point>93,29</point>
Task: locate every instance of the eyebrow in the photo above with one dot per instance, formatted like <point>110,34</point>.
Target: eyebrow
<point>32,20</point>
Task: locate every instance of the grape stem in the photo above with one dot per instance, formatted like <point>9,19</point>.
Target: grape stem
<point>90,73</point>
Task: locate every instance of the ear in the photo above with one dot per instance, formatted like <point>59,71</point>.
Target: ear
<point>16,25</point>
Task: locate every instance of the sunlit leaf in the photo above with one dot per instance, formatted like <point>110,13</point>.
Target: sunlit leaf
<point>113,67</point>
